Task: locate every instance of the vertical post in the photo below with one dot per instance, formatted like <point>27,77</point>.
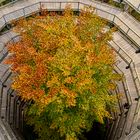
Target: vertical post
<point>113,18</point>
<point>40,9</point>
<point>3,85</point>
<point>22,125</point>
<point>138,6</point>
<point>127,67</point>
<point>1,94</point>
<point>128,30</point>
<point>12,39</point>
<point>119,50</point>
<point>40,6</point>
<point>60,5</point>
<point>95,10</point>
<point>137,51</point>
<point>78,7</point>
<point>19,116</point>
<point>6,22</point>
<point>23,12</point>
<point>21,121</point>
<point>4,19</point>
<point>126,7</point>
<point>7,105</point>
<point>14,112</point>
<point>9,111</point>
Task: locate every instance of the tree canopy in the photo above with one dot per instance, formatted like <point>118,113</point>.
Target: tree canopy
<point>63,64</point>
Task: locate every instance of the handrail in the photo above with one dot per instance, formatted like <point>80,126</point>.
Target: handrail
<point>131,63</point>
<point>116,125</point>
<point>125,85</point>
<point>106,4</point>
<point>4,44</point>
<point>78,8</point>
<point>133,18</point>
<point>60,8</point>
<point>128,62</point>
<point>129,29</point>
<point>129,101</point>
<point>1,94</point>
<point>118,18</point>
<point>132,134</point>
<point>114,16</point>
<point>9,3</point>
<point>135,77</point>
<point>136,8</point>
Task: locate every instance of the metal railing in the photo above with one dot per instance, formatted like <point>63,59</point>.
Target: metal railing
<point>136,8</point>
<point>136,79</point>
<point>11,96</point>
<point>14,114</point>
<point>34,8</point>
<point>117,124</point>
<point>6,3</point>
<point>129,101</point>
<point>9,112</point>
<point>125,85</point>
<point>4,51</point>
<point>26,11</point>
<point>134,135</point>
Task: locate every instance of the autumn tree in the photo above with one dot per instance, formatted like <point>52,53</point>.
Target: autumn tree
<point>64,68</point>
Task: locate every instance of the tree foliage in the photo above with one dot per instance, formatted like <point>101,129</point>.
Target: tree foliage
<point>63,64</point>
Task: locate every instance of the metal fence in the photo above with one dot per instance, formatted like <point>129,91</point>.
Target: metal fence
<point>136,8</point>
<point>60,6</point>
<point>117,124</point>
<point>136,79</point>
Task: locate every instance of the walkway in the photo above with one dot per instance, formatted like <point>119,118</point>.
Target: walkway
<point>5,130</point>
<point>134,136</point>
<point>125,48</point>
<point>26,7</point>
<point>134,4</point>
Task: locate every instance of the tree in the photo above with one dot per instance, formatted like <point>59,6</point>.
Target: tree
<point>63,65</point>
